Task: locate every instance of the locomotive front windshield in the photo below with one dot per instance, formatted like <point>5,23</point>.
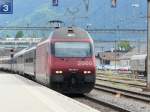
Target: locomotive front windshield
<point>73,49</point>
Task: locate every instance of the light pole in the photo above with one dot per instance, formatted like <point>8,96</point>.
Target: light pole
<point>148,46</point>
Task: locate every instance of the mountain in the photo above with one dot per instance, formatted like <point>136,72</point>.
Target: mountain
<point>128,14</point>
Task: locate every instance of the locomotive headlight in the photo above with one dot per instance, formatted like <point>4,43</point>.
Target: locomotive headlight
<point>59,72</point>
<point>86,72</point>
<point>89,72</point>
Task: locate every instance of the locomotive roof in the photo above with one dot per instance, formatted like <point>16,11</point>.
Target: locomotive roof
<point>66,33</point>
<point>20,52</point>
<point>24,51</point>
<point>70,32</point>
<point>30,49</point>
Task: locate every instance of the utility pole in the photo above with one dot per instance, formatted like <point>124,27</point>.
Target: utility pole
<point>115,54</point>
<point>138,47</point>
<point>87,3</point>
<point>102,48</point>
<point>73,13</point>
<point>148,47</point>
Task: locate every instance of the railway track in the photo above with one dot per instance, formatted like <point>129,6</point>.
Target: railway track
<point>142,85</point>
<point>97,104</point>
<point>144,97</point>
<point>106,104</point>
<point>120,77</point>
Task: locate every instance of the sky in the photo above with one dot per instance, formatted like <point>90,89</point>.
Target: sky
<point>128,14</point>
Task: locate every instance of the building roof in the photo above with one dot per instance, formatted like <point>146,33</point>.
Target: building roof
<point>112,56</point>
<point>139,57</point>
<point>134,51</point>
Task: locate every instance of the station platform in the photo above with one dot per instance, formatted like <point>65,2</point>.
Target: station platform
<point>18,94</point>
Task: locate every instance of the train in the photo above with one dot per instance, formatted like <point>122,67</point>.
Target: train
<point>64,62</point>
<point>138,64</point>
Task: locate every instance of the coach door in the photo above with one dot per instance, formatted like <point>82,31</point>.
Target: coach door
<point>41,64</point>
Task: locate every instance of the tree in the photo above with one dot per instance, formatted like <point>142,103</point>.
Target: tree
<point>19,34</point>
<point>7,36</point>
<point>124,46</point>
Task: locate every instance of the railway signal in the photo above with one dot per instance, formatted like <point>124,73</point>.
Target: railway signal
<point>11,53</point>
<point>55,2</point>
<point>113,3</point>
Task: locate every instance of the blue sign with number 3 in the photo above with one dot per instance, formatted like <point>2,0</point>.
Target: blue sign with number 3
<point>6,6</point>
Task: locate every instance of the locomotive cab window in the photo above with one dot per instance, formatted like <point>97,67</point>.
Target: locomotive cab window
<point>72,49</point>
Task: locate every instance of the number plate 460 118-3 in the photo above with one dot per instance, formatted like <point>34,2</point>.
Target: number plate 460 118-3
<point>6,6</point>
<point>85,63</point>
